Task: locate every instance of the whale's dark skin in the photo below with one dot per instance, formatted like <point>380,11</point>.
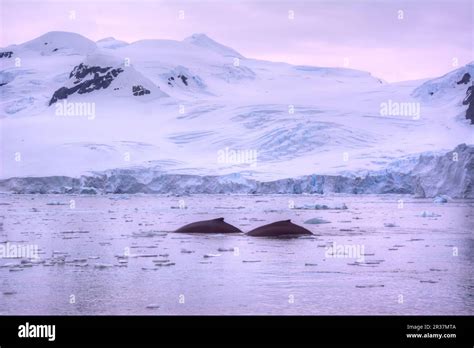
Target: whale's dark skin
<point>209,226</point>
<point>280,228</point>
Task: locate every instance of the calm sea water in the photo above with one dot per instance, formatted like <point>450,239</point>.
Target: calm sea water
<point>117,254</point>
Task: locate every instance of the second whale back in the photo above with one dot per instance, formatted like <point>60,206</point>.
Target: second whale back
<point>209,226</point>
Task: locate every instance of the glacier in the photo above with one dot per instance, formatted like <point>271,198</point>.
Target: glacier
<point>165,109</point>
<point>451,174</point>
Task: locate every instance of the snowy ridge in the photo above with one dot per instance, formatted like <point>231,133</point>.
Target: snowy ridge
<point>57,42</point>
<point>111,43</point>
<point>202,40</point>
<point>456,86</point>
<point>450,85</point>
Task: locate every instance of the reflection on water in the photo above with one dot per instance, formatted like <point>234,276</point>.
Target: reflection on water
<point>116,255</point>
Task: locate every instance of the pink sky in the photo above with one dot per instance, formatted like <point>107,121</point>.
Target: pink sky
<point>368,35</point>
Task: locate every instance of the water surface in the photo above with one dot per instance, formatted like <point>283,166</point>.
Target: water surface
<point>102,255</point>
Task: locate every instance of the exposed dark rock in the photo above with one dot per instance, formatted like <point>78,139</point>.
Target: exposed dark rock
<point>82,70</point>
<point>139,90</point>
<point>465,79</point>
<point>7,54</point>
<point>102,78</point>
<point>469,100</point>
<point>183,78</point>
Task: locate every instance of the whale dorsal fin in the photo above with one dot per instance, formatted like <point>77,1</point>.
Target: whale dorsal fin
<point>219,219</point>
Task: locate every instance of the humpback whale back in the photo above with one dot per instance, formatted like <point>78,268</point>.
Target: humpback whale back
<point>279,228</point>
<point>209,226</point>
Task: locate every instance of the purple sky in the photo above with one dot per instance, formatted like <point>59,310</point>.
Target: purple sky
<point>366,34</point>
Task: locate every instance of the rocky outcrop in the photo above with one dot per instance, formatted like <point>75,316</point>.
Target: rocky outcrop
<point>97,78</point>
<point>465,79</point>
<point>139,90</point>
<point>469,101</point>
<point>182,77</point>
<point>7,54</point>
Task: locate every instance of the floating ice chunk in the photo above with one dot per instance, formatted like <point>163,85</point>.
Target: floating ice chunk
<point>164,264</point>
<point>143,255</point>
<point>426,213</point>
<point>9,264</point>
<point>81,265</point>
<point>317,221</point>
<point>341,206</point>
<point>146,234</point>
<point>78,260</point>
<point>102,266</point>
<point>441,199</point>
<point>212,255</point>
<point>162,261</point>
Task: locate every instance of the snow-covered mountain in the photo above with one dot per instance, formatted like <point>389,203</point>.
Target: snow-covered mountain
<point>70,106</point>
<point>454,87</point>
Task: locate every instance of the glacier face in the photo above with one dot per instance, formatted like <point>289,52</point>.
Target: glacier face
<point>429,175</point>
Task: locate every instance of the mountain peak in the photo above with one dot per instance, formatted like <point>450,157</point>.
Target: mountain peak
<point>110,38</point>
<point>57,40</point>
<point>111,42</point>
<point>204,41</point>
<point>197,37</point>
